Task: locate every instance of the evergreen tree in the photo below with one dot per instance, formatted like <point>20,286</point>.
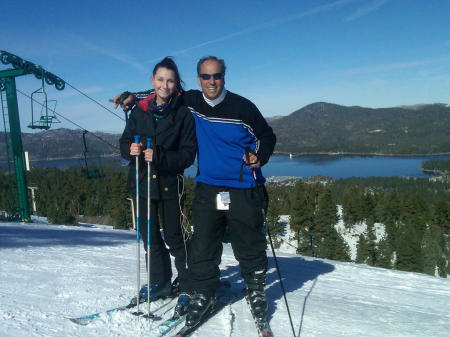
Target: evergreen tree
<point>330,244</point>
<point>368,207</point>
<point>362,251</point>
<point>391,216</point>
<point>442,215</point>
<point>117,205</point>
<point>431,250</point>
<point>301,216</point>
<point>351,206</point>
<point>384,254</point>
<point>409,251</point>
<point>371,243</point>
<point>273,219</point>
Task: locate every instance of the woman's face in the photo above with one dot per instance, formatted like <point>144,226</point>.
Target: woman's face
<point>164,83</point>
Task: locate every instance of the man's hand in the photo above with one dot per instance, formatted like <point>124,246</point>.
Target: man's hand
<point>253,161</point>
<point>125,100</point>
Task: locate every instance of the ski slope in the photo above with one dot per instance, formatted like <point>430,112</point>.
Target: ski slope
<point>51,272</point>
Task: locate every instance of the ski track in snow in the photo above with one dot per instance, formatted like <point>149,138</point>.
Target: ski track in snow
<point>51,272</point>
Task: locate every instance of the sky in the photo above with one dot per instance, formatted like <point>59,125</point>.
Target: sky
<point>52,272</point>
<point>281,55</point>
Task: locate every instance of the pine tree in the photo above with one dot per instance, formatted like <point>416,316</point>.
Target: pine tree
<point>384,254</point>
<point>117,204</point>
<point>371,243</point>
<point>362,252</point>
<point>409,251</point>
<point>368,207</point>
<point>442,215</point>
<point>330,244</point>
<point>431,250</point>
<point>273,219</point>
<point>391,216</point>
<point>301,216</point>
<point>351,206</point>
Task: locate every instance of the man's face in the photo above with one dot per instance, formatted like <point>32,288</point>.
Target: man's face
<point>212,87</point>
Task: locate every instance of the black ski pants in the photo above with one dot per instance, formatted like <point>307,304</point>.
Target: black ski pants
<point>168,211</point>
<point>244,221</point>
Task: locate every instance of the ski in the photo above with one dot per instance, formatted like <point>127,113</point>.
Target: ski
<point>85,320</point>
<point>263,328</point>
<point>170,324</point>
<point>223,298</point>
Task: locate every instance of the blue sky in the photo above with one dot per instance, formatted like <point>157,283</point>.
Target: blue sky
<point>282,55</point>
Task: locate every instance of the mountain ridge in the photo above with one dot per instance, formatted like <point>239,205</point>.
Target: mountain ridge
<point>317,128</point>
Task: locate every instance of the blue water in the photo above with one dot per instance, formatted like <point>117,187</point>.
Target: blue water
<point>344,166</point>
<point>313,165</point>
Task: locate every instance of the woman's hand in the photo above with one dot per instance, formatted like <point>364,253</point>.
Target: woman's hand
<point>135,149</point>
<point>148,154</point>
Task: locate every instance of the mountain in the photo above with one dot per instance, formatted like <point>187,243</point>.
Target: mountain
<point>324,128</point>
<point>316,128</point>
<point>66,143</point>
<point>51,272</point>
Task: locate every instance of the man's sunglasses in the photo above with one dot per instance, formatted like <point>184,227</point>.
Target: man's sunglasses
<point>206,77</point>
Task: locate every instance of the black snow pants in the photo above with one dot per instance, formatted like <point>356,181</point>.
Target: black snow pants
<point>244,220</point>
<point>160,264</point>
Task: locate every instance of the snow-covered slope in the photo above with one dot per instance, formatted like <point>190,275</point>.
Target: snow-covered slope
<point>49,273</point>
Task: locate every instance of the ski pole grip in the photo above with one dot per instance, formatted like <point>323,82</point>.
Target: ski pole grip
<point>137,138</point>
<point>149,142</point>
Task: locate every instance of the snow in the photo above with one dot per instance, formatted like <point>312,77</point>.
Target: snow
<point>51,272</point>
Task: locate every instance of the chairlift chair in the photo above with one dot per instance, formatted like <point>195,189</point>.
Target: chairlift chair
<point>47,115</point>
<point>91,172</point>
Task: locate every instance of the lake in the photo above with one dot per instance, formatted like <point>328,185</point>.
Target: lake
<point>335,166</point>
<point>338,166</point>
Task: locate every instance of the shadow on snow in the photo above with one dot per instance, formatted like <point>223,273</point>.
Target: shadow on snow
<point>295,272</point>
<point>19,236</point>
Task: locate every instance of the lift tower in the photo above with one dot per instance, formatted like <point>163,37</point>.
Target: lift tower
<point>20,67</point>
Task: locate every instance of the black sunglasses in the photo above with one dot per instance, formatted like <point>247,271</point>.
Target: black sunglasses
<point>206,77</point>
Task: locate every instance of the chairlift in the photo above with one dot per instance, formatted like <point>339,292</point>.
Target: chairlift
<point>46,116</point>
<point>91,172</point>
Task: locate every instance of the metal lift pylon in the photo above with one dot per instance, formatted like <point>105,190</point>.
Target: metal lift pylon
<point>8,84</point>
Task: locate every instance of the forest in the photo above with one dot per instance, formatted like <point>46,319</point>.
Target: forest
<point>415,213</point>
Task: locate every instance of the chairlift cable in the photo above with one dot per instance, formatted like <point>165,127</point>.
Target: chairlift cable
<point>68,120</point>
<point>93,100</point>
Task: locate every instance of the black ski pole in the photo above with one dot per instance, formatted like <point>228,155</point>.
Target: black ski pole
<point>247,158</point>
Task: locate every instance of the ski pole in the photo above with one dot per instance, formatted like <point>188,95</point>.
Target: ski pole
<point>138,255</point>
<point>149,144</point>
<point>247,158</point>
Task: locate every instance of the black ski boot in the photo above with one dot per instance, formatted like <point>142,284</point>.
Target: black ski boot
<point>256,296</point>
<point>182,305</point>
<point>201,303</point>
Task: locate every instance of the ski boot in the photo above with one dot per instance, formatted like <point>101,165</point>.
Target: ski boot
<point>256,297</point>
<point>182,305</point>
<point>157,291</point>
<point>201,303</point>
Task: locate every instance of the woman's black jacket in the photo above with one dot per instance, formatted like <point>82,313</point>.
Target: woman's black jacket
<point>174,148</point>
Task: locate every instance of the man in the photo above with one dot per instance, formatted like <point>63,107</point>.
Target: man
<point>234,141</point>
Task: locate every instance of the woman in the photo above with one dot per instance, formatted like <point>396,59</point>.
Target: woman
<point>170,125</point>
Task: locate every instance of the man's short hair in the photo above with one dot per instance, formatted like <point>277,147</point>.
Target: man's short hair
<point>214,58</point>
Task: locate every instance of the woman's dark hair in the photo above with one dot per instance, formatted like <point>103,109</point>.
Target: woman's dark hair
<point>168,63</point>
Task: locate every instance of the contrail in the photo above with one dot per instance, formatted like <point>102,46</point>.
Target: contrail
<point>273,23</point>
<point>366,10</point>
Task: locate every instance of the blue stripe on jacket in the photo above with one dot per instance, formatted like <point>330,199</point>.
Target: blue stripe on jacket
<point>221,147</point>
